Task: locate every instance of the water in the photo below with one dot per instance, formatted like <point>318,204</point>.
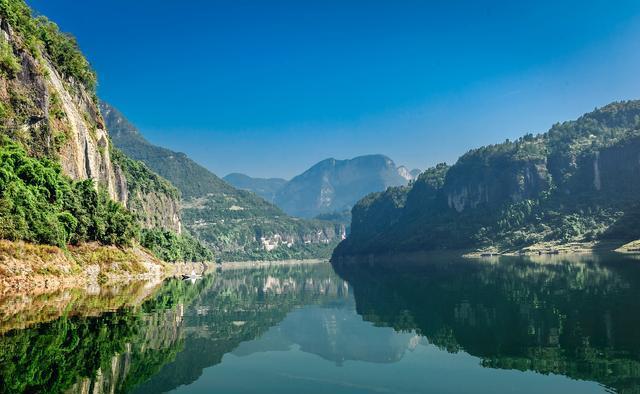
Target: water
<point>440,325</point>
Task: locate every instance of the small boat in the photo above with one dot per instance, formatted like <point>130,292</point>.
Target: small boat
<point>192,276</point>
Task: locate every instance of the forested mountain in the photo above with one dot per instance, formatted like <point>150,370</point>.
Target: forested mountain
<point>332,186</point>
<point>237,224</point>
<point>61,180</point>
<point>264,187</point>
<point>579,182</point>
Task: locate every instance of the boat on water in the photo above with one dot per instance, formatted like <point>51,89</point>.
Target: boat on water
<point>192,276</point>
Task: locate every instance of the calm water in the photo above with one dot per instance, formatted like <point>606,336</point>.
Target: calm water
<point>438,326</point>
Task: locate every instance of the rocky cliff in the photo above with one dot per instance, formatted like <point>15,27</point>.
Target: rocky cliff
<point>577,183</point>
<point>48,104</point>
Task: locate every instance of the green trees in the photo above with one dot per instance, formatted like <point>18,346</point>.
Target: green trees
<point>40,33</point>
<point>39,204</point>
<point>575,183</point>
<point>172,247</point>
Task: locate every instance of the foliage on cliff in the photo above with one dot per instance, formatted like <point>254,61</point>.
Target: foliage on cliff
<point>579,182</point>
<point>173,247</point>
<point>39,204</point>
<point>39,34</point>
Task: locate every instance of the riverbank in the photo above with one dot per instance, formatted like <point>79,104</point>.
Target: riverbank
<point>539,252</point>
<point>558,248</point>
<point>234,265</point>
<point>35,269</point>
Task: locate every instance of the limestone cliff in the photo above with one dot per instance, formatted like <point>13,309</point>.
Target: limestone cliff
<point>52,113</point>
<point>48,103</point>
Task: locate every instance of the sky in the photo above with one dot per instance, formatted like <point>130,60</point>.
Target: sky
<point>269,88</point>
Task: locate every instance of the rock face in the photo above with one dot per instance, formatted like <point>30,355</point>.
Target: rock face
<point>579,182</point>
<point>48,103</point>
<point>54,115</point>
<point>336,185</point>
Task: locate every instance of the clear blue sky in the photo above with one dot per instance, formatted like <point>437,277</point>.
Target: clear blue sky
<point>268,88</point>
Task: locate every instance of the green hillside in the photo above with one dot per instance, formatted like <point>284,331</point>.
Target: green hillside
<point>577,183</point>
<point>236,224</point>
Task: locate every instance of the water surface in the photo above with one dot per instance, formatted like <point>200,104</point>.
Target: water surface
<point>441,325</point>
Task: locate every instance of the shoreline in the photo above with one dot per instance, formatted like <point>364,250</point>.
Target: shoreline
<point>35,269</point>
<point>544,250</point>
<point>234,265</point>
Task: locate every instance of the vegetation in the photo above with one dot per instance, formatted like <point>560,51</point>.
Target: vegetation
<point>140,178</point>
<point>9,65</point>
<point>39,33</point>
<point>172,247</point>
<point>575,183</point>
<point>39,204</point>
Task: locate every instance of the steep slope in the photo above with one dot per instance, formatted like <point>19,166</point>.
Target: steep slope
<point>237,224</point>
<point>577,183</point>
<point>47,98</point>
<point>336,185</point>
<point>48,104</point>
<point>264,187</point>
<point>62,182</point>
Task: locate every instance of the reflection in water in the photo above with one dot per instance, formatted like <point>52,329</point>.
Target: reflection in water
<point>576,317</point>
<point>402,328</point>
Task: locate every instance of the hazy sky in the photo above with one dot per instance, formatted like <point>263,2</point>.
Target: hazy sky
<point>268,88</point>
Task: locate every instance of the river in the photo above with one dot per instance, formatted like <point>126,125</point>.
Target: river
<point>443,325</point>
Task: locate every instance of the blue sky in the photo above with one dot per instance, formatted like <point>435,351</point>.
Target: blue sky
<point>268,88</point>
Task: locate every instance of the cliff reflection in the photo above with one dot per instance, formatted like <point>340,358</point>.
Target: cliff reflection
<point>568,316</point>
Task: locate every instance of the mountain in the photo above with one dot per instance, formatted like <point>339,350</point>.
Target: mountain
<point>577,183</point>
<point>409,175</point>
<point>237,224</point>
<point>264,187</point>
<point>336,185</point>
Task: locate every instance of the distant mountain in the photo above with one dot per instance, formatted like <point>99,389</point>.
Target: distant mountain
<point>189,177</point>
<point>264,187</point>
<point>336,185</point>
<point>237,224</point>
<point>578,185</point>
<point>409,175</point>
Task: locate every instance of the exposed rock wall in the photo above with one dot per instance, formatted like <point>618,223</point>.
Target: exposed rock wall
<point>156,209</point>
<point>55,116</point>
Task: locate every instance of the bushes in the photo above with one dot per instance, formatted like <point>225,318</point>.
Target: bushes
<point>39,204</point>
<point>9,64</point>
<point>61,48</point>
<point>169,246</point>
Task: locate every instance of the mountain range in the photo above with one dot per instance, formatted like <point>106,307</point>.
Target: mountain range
<point>330,187</point>
<point>236,224</point>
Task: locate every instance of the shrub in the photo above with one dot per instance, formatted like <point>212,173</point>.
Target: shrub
<point>40,204</point>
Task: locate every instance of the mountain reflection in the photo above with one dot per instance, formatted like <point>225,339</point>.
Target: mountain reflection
<point>558,315</point>
<point>552,316</point>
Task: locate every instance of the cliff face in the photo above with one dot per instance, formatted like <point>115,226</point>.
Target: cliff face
<point>48,103</point>
<point>579,182</point>
<point>53,114</point>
